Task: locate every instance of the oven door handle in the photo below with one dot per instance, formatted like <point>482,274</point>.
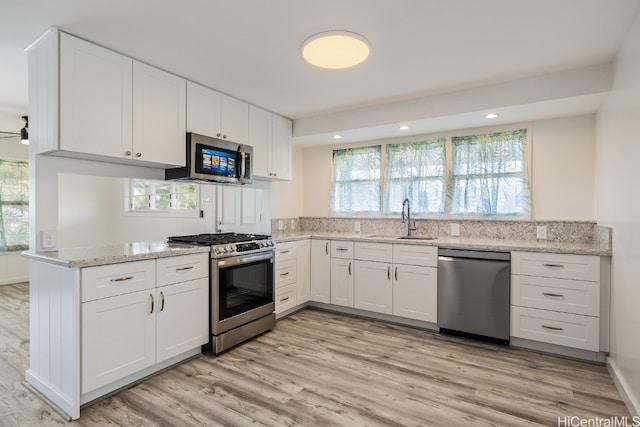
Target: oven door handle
<point>230,262</point>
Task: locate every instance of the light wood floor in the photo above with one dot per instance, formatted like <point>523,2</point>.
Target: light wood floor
<point>323,369</point>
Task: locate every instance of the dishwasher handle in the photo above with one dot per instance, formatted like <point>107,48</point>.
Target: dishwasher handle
<point>446,254</point>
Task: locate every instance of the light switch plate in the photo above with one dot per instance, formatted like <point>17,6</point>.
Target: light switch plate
<point>455,229</point>
<point>541,232</point>
<point>356,226</point>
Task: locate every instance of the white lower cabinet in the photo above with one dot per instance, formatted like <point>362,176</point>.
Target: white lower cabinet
<point>342,282</point>
<point>320,270</point>
<point>415,292</point>
<point>286,276</point>
<point>130,329</point>
<point>303,261</point>
<point>373,286</point>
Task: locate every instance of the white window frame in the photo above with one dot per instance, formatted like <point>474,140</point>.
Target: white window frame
<point>152,211</point>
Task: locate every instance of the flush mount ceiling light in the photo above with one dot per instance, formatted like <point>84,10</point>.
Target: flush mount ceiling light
<point>335,49</point>
<point>491,116</point>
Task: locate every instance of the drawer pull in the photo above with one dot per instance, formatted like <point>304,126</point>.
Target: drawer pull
<point>553,265</point>
<point>285,274</point>
<point>284,299</point>
<point>122,279</point>
<point>552,328</point>
<point>285,252</point>
<point>341,249</point>
<point>184,268</point>
<point>549,294</point>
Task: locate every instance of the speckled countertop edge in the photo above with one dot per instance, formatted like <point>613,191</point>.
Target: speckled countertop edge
<point>103,255</point>
<point>458,243</point>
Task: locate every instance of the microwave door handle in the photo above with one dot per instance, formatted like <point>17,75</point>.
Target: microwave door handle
<point>243,161</point>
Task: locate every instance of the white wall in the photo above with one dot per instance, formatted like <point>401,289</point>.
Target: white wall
<point>618,205</point>
<point>562,165</point>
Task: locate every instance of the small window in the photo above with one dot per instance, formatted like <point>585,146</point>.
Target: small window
<point>163,197</point>
<point>356,181</point>
<point>489,175</point>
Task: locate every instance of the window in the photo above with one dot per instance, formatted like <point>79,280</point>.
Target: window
<point>163,196</point>
<point>356,180</point>
<point>14,205</point>
<point>489,175</point>
<point>477,175</point>
<point>415,171</point>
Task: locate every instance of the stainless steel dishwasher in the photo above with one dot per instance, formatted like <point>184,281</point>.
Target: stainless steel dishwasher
<point>473,293</point>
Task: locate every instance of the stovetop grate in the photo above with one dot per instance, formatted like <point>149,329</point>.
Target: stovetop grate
<point>217,238</point>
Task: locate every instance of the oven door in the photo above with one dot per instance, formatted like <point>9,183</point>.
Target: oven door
<point>241,290</point>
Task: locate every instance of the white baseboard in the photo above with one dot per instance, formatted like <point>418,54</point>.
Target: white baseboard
<point>630,399</point>
<point>14,280</point>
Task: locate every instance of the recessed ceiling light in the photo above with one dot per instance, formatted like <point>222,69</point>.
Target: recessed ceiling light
<point>491,116</point>
<point>337,136</point>
<point>335,49</point>
<point>404,127</point>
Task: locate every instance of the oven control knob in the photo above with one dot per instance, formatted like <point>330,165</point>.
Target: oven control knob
<point>228,249</point>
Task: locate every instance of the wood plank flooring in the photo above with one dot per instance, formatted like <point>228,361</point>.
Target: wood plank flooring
<point>324,369</point>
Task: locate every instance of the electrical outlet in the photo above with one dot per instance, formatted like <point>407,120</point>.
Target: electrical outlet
<point>455,229</point>
<point>356,226</point>
<point>541,232</point>
<point>280,225</point>
<point>49,239</point>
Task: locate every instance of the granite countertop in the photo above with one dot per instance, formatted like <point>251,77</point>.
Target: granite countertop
<point>92,256</point>
<point>458,243</point>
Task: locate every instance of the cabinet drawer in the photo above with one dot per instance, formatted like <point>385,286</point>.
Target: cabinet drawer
<point>181,268</point>
<point>381,252</point>
<point>285,273</point>
<point>570,296</point>
<point>561,266</point>
<point>117,279</point>
<point>426,256</point>
<point>285,297</point>
<point>286,251</point>
<point>341,249</point>
<point>571,330</point>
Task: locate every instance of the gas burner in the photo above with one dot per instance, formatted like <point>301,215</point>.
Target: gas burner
<point>227,244</point>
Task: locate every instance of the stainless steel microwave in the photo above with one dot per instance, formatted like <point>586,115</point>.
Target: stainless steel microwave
<point>214,160</point>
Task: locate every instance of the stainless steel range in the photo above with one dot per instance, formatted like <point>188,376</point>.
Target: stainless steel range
<point>241,285</point>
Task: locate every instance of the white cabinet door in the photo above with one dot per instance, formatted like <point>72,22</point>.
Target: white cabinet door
<point>118,338</point>
<point>415,292</point>
<point>281,164</point>
<point>260,123</point>
<point>342,282</point>
<point>320,271</point>
<point>234,119</point>
<point>228,208</point>
<point>182,317</point>
<point>159,116</point>
<point>303,259</point>
<point>202,110</point>
<point>95,99</point>
<point>373,286</point>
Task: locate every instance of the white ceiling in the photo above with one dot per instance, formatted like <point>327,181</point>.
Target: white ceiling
<point>420,50</point>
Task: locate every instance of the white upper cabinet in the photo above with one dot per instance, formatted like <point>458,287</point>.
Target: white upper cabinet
<point>217,115</point>
<point>112,106</point>
<point>270,136</point>
<point>96,108</point>
<point>159,116</point>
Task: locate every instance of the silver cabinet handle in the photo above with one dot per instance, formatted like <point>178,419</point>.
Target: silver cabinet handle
<point>552,328</point>
<point>151,296</point>
<point>349,269</point>
<point>284,299</point>
<point>341,249</point>
<point>389,273</point>
<point>396,274</point>
<point>122,279</point>
<point>218,134</point>
<point>549,294</point>
<point>161,301</point>
<point>553,265</point>
<point>224,136</point>
<point>326,248</point>
<point>138,154</point>
<point>127,153</point>
<point>285,274</point>
<point>286,251</point>
<point>184,268</point>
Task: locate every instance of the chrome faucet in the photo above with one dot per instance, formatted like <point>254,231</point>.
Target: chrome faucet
<point>410,228</point>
